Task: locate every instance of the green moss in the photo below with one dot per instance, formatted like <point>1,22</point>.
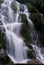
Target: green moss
<point>1,1</point>
<point>2,41</point>
<point>25,29</point>
<point>14,7</point>
<point>31,54</point>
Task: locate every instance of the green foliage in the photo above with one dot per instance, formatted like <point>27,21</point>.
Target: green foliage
<point>37,20</point>
<point>31,8</point>
<point>39,4</point>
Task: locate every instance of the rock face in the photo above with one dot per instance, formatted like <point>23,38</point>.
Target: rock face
<point>33,61</point>
<point>4,59</point>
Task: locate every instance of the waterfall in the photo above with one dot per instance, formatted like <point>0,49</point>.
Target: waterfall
<point>12,24</point>
<point>16,48</point>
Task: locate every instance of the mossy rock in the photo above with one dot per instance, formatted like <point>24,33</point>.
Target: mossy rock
<point>2,40</point>
<point>25,29</point>
<point>14,7</point>
<point>1,1</point>
<point>41,38</point>
<point>31,54</point>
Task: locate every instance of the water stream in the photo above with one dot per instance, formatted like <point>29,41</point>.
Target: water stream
<point>16,48</point>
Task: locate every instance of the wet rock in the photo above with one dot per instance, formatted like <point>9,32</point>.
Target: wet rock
<point>34,61</point>
<point>30,46</point>
<point>31,54</point>
<point>2,54</point>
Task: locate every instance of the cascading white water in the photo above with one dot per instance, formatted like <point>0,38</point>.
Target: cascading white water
<point>39,54</point>
<point>36,47</point>
<point>16,48</point>
<point>15,44</point>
